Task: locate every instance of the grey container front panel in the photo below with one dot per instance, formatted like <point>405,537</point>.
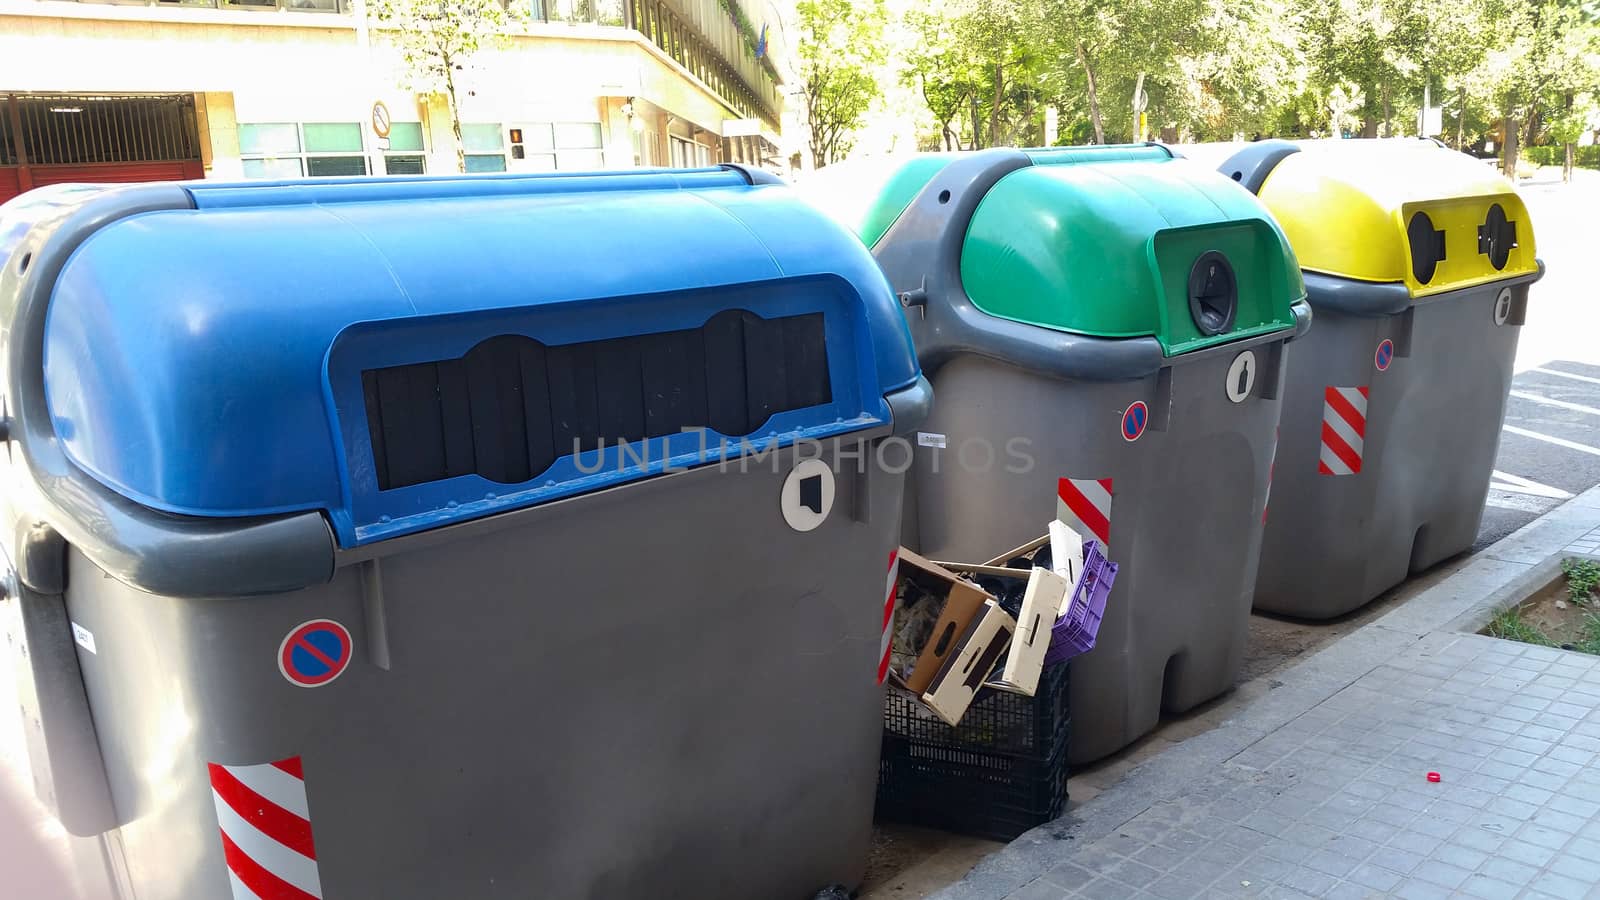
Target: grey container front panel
<point>1185,522</point>
<point>661,690</point>
<point>1335,542</point>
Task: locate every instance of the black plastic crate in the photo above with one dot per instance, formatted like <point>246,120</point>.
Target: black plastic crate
<point>1002,771</point>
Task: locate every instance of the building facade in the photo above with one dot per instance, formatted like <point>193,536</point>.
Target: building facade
<point>168,89</point>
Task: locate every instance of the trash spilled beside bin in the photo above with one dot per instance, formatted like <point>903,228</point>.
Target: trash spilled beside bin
<point>1104,328</point>
<point>975,726</point>
<point>327,539</point>
<point>1417,264</point>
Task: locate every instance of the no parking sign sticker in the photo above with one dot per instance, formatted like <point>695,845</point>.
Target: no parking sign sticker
<point>314,653</point>
<point>1384,356</point>
<point>1134,419</point>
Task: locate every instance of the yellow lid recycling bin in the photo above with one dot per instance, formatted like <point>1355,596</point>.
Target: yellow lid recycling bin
<point>1417,263</point>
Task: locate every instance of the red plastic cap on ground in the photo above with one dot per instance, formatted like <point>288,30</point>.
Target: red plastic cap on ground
<point>1433,776</point>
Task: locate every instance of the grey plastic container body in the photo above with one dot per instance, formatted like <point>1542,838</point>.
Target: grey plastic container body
<point>1186,497</point>
<point>658,691</point>
<point>1335,542</point>
<point>1185,518</point>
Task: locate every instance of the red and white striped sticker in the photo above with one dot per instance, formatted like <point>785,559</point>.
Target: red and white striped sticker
<point>1344,430</point>
<point>1272,463</point>
<point>886,641</point>
<point>266,830</point>
<point>1085,505</point>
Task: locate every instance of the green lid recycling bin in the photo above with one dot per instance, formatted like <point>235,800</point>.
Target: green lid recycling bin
<point>1104,328</point>
<point>1417,261</point>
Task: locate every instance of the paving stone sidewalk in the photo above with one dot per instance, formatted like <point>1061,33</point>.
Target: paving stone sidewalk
<point>1319,789</point>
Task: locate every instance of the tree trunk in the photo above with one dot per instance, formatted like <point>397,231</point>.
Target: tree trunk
<point>455,113</point>
<point>1138,89</point>
<point>994,109</point>
<point>1094,96</point>
<point>1566,165</point>
<point>1461,120</point>
<point>949,139</point>
<point>1388,112</point>
<point>977,124</point>
<point>1510,148</point>
<point>1169,134</point>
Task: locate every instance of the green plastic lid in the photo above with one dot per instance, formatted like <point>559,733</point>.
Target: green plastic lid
<point>1108,241</point>
<point>1127,249</point>
<point>868,195</point>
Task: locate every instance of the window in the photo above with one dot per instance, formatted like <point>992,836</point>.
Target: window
<point>682,152</point>
<point>404,156</point>
<point>578,145</point>
<point>547,146</point>
<point>485,146</point>
<point>289,150</point>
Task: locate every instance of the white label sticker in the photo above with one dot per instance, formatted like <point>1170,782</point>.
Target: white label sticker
<point>807,495</point>
<point>1241,376</point>
<point>924,439</point>
<point>1502,307</point>
<point>84,637</point>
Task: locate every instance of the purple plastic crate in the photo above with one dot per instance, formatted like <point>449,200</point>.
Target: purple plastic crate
<point>1074,633</point>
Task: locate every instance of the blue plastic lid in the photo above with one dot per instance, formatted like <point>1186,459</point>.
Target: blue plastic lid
<point>404,354</point>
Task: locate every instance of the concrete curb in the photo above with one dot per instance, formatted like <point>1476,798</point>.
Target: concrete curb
<point>1490,581</point>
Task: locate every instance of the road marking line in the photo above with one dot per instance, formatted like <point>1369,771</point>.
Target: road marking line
<point>1566,375</point>
<point>1559,442</point>
<point>1500,500</point>
<point>1551,401</point>
<point>1516,484</point>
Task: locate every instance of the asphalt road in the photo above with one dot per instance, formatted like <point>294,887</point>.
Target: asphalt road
<point>1550,445</point>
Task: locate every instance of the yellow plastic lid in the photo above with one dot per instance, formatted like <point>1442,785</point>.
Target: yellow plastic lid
<point>1404,211</point>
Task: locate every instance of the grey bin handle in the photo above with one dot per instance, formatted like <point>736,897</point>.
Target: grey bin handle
<point>921,255</point>
<point>178,556</point>
<point>1251,166</point>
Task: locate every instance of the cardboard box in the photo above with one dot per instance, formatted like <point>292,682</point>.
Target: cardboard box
<point>1041,602</point>
<point>965,671</point>
<point>961,603</point>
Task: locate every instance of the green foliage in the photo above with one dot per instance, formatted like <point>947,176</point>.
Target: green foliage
<point>841,43</point>
<point>1509,625</point>
<point>1218,70</point>
<point>437,40</point>
<point>1583,575</point>
<point>1589,641</point>
<point>741,24</point>
<point>1583,157</point>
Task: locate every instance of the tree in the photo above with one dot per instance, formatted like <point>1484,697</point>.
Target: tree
<point>1547,53</point>
<point>437,40</point>
<point>841,43</point>
<point>939,67</point>
<point>1237,71</point>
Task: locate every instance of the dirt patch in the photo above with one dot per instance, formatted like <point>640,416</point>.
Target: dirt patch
<point>1562,621</point>
<point>1551,618</point>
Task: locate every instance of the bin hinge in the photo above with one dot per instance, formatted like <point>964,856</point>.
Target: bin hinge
<point>41,558</point>
<point>916,298</point>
